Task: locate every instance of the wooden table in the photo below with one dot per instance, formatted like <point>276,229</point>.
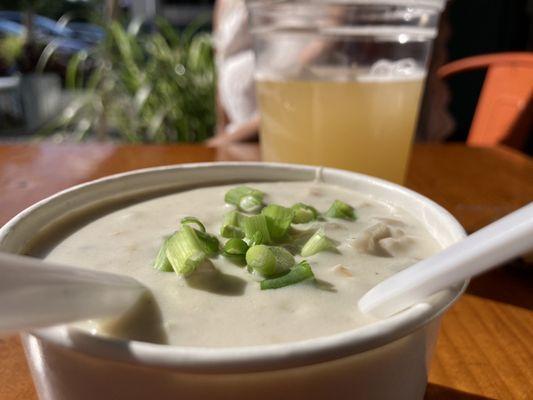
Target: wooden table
<point>485,350</point>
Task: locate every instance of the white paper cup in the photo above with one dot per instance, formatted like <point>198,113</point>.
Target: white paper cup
<point>384,360</point>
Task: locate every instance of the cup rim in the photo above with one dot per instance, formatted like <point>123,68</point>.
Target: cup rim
<point>434,4</point>
<point>260,357</point>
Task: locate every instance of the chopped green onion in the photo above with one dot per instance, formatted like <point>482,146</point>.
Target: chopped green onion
<point>233,218</point>
<point>245,198</point>
<point>209,243</point>
<point>299,273</point>
<point>230,231</point>
<point>161,262</point>
<point>251,204</point>
<point>256,239</point>
<point>284,259</point>
<point>278,220</point>
<point>193,221</point>
<point>269,260</point>
<point>234,196</point>
<point>235,247</point>
<point>303,213</point>
<point>339,209</point>
<point>235,250</point>
<point>231,226</point>
<point>256,229</point>
<point>184,251</point>
<point>317,243</point>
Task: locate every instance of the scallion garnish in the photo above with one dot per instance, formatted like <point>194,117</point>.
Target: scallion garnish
<point>256,229</point>
<point>298,273</point>
<point>193,221</point>
<point>185,251</point>
<point>303,213</point>
<point>251,239</point>
<point>257,238</point>
<point>245,198</point>
<point>317,243</point>
<point>231,226</point>
<point>235,250</point>
<point>278,220</point>
<point>209,242</point>
<point>340,209</point>
<point>251,204</point>
<point>230,231</point>
<point>234,195</point>
<point>269,260</point>
<point>161,262</point>
<point>235,247</point>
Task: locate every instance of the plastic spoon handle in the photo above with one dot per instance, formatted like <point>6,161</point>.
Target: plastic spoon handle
<point>35,294</point>
<point>498,242</point>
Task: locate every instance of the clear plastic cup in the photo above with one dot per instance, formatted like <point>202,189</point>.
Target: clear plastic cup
<point>339,83</point>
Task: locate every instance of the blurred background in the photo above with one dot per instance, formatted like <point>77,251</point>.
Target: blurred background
<point>145,70</point>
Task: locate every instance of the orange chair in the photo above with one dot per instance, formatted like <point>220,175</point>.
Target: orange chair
<point>505,108</point>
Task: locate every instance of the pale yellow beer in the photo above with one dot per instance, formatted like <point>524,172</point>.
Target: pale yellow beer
<point>364,125</point>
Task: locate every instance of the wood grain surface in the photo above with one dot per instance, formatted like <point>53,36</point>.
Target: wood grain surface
<point>485,349</point>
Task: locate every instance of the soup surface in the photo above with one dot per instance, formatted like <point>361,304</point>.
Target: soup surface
<point>225,306</point>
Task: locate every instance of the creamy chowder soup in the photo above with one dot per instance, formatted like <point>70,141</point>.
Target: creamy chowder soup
<point>223,304</point>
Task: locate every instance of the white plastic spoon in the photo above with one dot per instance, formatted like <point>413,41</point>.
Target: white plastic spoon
<point>34,293</point>
<point>498,242</point>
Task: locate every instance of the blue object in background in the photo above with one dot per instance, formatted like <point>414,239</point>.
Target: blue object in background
<point>73,37</point>
<point>43,26</point>
<point>88,33</point>
<point>9,28</point>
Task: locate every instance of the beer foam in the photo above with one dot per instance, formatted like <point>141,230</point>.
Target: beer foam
<point>386,71</point>
<point>420,75</point>
<point>380,71</point>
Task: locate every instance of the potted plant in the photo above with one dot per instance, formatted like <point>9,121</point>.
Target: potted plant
<point>156,86</point>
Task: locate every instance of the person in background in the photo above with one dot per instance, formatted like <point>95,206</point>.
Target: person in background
<point>237,115</point>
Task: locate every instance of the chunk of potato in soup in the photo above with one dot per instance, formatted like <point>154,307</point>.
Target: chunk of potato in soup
<point>223,305</point>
